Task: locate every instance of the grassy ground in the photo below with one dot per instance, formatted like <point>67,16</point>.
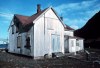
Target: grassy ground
<point>15,61</point>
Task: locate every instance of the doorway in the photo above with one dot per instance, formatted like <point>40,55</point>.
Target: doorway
<point>55,43</point>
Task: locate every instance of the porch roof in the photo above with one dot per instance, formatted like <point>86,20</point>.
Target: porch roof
<point>74,37</point>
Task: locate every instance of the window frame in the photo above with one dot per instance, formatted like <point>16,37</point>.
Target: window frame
<point>77,43</point>
<point>12,29</point>
<point>19,39</point>
<point>28,43</point>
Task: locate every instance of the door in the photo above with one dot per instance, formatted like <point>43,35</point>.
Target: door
<point>55,41</point>
<point>73,46</point>
<point>19,42</point>
<point>66,45</point>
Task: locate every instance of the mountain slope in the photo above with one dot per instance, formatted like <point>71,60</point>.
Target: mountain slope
<point>91,32</point>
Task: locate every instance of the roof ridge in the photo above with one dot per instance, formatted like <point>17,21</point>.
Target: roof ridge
<point>21,15</point>
<point>25,20</point>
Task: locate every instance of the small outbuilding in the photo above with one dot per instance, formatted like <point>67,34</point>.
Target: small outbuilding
<point>71,42</point>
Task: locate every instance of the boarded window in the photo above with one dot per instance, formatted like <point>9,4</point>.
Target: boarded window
<point>12,29</point>
<point>19,41</point>
<point>27,42</point>
<point>16,29</point>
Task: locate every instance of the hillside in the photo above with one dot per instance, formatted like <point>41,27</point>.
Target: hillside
<point>91,32</point>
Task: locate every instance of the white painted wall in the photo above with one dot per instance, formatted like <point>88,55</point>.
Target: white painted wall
<point>80,45</point>
<point>67,41</point>
<point>69,33</point>
<point>40,36</point>
<point>54,26</point>
<point>12,40</point>
<point>44,27</point>
<point>12,47</point>
<point>72,48</point>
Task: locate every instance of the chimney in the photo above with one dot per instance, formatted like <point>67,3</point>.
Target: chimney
<point>61,18</point>
<point>38,8</point>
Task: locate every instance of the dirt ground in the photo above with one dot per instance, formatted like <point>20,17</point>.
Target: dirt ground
<point>8,60</point>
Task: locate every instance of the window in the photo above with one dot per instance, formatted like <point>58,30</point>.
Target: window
<point>18,41</point>
<point>77,42</point>
<point>27,42</point>
<point>12,29</point>
<point>17,27</point>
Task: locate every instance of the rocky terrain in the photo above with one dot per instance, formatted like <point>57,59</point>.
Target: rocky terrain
<point>8,60</point>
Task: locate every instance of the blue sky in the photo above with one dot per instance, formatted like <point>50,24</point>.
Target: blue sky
<point>75,12</point>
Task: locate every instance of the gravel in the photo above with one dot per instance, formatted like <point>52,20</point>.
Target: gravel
<point>8,60</point>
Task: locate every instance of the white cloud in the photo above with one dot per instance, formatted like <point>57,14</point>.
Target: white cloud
<point>74,26</point>
<point>74,21</point>
<point>92,12</point>
<point>77,14</point>
<point>7,16</point>
<point>75,6</point>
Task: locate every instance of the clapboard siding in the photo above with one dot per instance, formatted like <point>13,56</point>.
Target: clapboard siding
<point>45,35</point>
<point>69,33</point>
<point>43,32</point>
<point>39,37</point>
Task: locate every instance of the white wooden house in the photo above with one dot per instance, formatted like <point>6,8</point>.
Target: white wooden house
<point>36,35</point>
<point>39,34</point>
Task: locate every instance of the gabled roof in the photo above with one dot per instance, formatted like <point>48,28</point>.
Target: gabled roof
<point>29,20</point>
<point>25,20</point>
<point>33,17</point>
<point>22,19</point>
<point>68,28</point>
